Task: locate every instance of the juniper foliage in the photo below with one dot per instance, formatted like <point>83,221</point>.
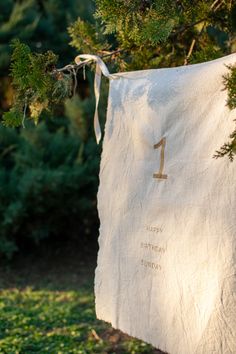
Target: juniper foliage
<point>36,86</point>
<point>229,148</point>
<point>145,34</point>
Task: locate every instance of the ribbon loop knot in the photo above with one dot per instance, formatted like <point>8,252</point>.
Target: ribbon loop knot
<point>101,68</point>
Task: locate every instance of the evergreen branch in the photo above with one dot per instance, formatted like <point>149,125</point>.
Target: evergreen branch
<point>226,150</point>
<point>212,8</point>
<point>74,68</point>
<point>229,148</point>
<point>38,84</point>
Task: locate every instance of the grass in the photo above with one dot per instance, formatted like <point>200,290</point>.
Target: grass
<point>47,321</point>
<point>47,306</point>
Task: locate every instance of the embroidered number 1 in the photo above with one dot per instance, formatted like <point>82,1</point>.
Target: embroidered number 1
<point>162,144</point>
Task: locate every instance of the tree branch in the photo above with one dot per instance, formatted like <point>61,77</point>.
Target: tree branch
<point>76,67</point>
<point>184,28</point>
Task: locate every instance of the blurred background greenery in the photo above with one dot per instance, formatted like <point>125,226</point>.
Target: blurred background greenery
<point>48,172</point>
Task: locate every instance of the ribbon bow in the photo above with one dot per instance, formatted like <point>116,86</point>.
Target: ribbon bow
<point>101,68</point>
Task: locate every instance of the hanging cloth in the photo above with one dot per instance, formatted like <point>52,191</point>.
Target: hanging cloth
<point>166,268</point>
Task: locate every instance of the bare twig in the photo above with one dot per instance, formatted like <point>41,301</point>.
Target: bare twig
<point>70,67</point>
<point>24,113</point>
<point>217,5</point>
<point>96,336</point>
<point>193,44</point>
<point>112,53</point>
<point>85,62</point>
<point>214,3</point>
<point>74,68</point>
<point>189,52</point>
<point>75,80</point>
<point>182,29</point>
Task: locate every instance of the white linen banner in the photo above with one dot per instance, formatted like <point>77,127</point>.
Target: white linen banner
<point>166,269</point>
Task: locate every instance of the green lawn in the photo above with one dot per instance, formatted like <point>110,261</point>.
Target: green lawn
<point>47,306</point>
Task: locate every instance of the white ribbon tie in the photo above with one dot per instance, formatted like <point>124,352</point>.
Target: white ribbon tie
<point>100,68</point>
